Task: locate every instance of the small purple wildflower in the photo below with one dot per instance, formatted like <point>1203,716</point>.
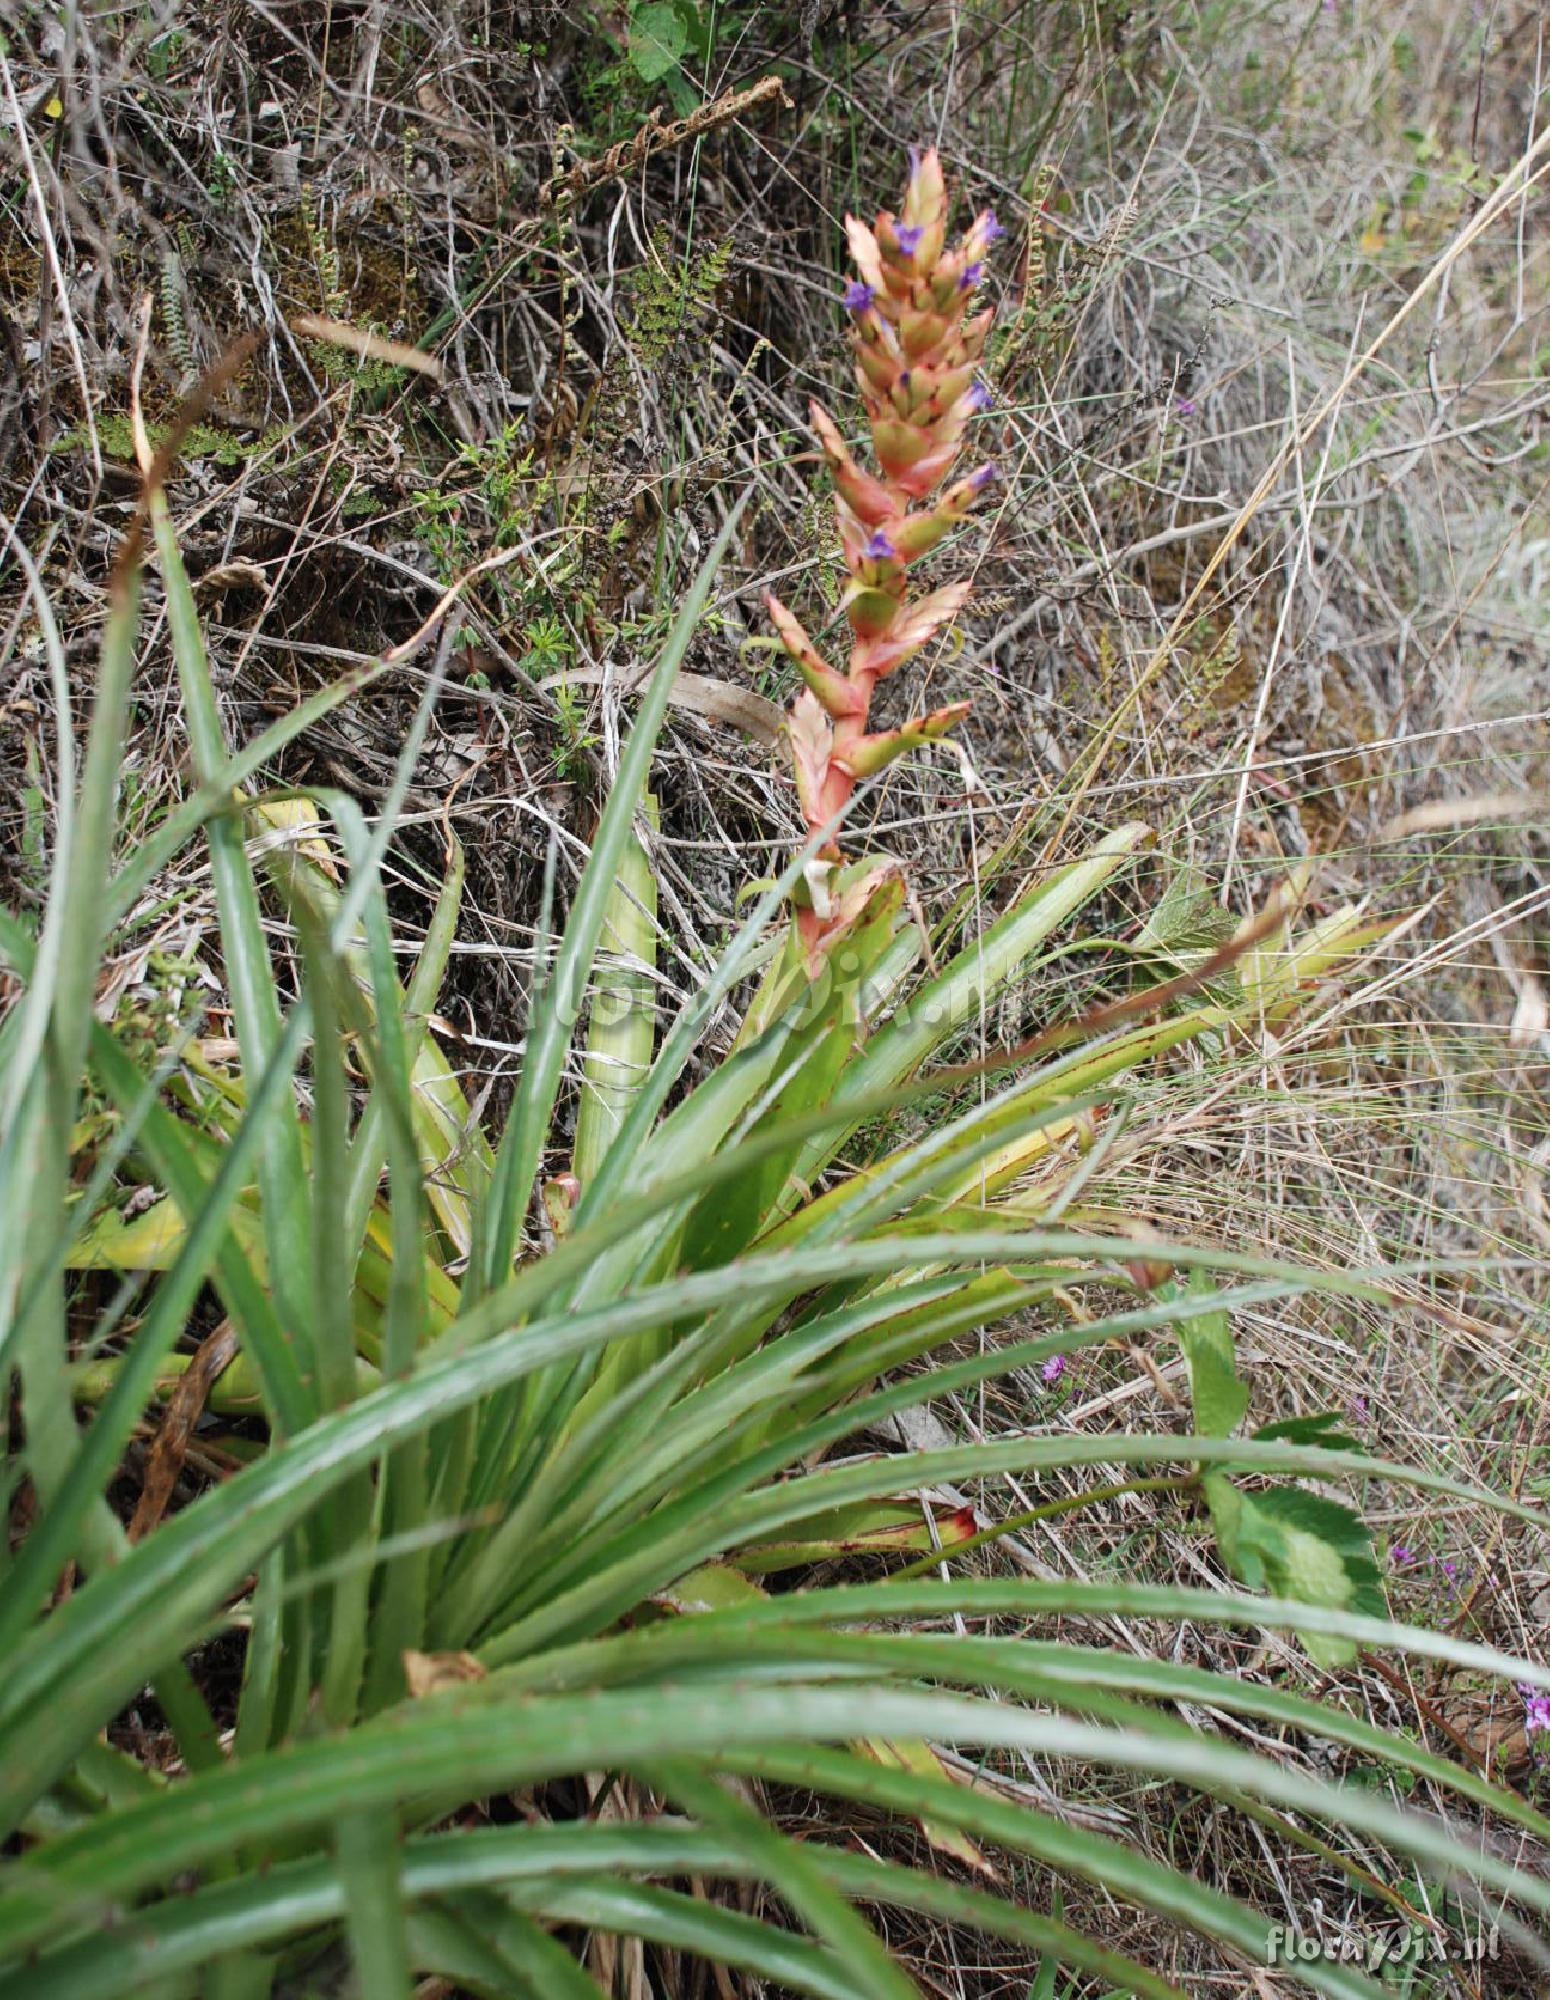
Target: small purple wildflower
<point>970,276</point>
<point>1185,406</point>
<point>1536,1709</point>
<point>991,229</point>
<point>908,235</point>
<point>858,297</point>
<point>980,398</point>
<point>1356,1409</point>
<point>878,547</point>
<point>983,476</point>
<point>1052,1370</point>
<point>1450,1570</point>
<point>1400,1557</point>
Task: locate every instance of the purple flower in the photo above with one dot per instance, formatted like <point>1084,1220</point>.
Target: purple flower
<point>990,228</point>
<point>983,476</point>
<point>878,548</point>
<point>1536,1709</point>
<point>1052,1370</point>
<point>1356,1409</point>
<point>980,398</point>
<point>1185,406</point>
<point>858,297</point>
<point>908,235</point>
<point>1400,1557</point>
<point>970,276</point>
<point>1450,1570</point>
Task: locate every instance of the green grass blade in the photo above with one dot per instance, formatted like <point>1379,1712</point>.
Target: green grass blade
<point>1056,1672</point>
<point>623,1007</point>
<point>953,1001</point>
<point>690,1924</point>
<point>181,1933</point>
<point>249,975</point>
<point>538,1965</point>
<point>554,1012</point>
<point>1108,1864</point>
<point>368,1856</point>
<point>73,953</point>
<point>445,1750</point>
<point>398,1623</point>
<point>27,1031</point>
<point>795,1878</point>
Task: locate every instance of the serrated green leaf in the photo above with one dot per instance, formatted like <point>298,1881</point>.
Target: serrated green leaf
<point>1321,1428</point>
<point>1187,922</point>
<point>1299,1545</point>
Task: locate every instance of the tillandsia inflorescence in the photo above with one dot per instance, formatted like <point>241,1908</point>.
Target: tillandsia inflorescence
<point>917,345</point>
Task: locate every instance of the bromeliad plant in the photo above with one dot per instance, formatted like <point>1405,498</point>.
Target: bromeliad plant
<point>917,345</point>
<point>476,1660</point>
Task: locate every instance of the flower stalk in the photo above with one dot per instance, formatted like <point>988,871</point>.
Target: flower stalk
<point>917,344</point>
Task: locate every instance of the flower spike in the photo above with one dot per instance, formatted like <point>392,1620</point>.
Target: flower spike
<point>917,349</point>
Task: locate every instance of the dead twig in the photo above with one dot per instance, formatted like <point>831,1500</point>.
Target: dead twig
<point>654,137</point>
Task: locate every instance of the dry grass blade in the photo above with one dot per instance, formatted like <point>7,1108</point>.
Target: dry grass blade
<point>370,346</point>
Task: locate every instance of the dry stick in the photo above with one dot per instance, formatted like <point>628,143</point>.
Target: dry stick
<point>654,137</point>
<point>1513,187</point>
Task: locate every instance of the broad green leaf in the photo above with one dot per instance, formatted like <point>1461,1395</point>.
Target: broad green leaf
<point>658,40</point>
<point>1220,1395</point>
<point>1300,1545</point>
<point>923,1760</point>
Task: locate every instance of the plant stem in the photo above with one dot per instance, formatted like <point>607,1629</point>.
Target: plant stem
<point>1173,1482</point>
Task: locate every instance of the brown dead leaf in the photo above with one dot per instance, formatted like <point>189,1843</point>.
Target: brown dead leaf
<point>428,1673</point>
<point>184,1409</point>
<point>696,694</point>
